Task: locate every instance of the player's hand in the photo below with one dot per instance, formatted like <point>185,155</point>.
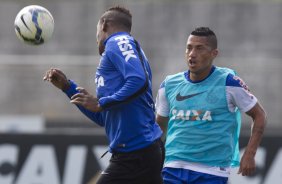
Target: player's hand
<point>86,100</point>
<point>57,78</point>
<point>247,164</point>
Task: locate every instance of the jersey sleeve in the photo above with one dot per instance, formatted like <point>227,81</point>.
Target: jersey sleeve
<point>133,73</point>
<point>94,116</point>
<point>162,105</point>
<point>238,94</point>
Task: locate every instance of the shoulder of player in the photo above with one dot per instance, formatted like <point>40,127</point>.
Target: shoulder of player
<point>235,81</point>
<point>119,43</point>
<point>225,70</point>
<point>117,39</point>
<point>172,78</point>
<point>232,80</point>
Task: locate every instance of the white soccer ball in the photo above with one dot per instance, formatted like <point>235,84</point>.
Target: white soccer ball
<point>34,25</point>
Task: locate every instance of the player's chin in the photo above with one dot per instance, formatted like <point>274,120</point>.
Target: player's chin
<point>192,67</point>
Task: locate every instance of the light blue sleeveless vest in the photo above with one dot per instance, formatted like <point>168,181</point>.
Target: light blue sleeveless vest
<point>201,129</point>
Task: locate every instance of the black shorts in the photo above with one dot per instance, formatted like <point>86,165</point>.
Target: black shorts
<point>138,167</point>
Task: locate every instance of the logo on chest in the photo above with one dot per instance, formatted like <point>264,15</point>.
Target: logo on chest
<point>179,97</point>
<point>192,115</point>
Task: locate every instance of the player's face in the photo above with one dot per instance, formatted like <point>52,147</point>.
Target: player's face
<point>100,37</point>
<point>199,57</point>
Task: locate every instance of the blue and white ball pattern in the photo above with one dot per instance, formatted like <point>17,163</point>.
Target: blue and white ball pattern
<point>34,25</point>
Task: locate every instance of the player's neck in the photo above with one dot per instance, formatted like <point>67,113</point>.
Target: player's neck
<point>200,75</point>
<point>115,30</point>
<point>197,77</point>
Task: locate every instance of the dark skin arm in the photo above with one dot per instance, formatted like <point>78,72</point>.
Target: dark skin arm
<point>86,100</point>
<point>57,78</point>
<point>247,165</point>
<point>83,98</point>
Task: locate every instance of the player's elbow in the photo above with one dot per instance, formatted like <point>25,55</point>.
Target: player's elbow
<point>140,82</point>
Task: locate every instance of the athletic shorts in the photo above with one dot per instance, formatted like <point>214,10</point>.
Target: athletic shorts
<point>185,176</point>
<point>142,166</point>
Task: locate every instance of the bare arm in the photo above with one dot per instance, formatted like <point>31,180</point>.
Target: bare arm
<point>162,121</point>
<point>57,78</point>
<point>82,98</point>
<point>247,165</point>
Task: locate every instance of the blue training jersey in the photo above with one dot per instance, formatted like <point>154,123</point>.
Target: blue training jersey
<point>124,89</point>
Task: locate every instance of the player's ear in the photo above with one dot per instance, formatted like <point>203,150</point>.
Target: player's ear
<point>105,25</point>
<point>214,52</point>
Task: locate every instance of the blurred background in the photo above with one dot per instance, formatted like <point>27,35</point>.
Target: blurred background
<point>39,126</point>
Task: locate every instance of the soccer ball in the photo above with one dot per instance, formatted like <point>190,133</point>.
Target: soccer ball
<point>34,25</point>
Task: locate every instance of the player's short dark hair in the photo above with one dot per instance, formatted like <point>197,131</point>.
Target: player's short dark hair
<point>118,16</point>
<point>206,32</point>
